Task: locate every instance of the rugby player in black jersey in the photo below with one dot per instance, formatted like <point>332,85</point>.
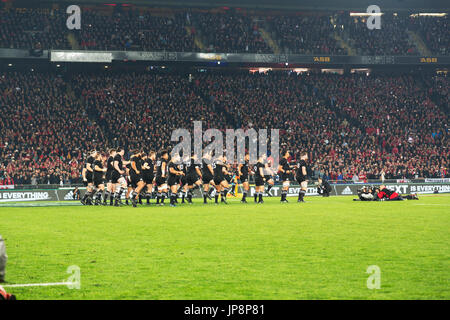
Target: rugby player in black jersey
<point>161,177</point>
<point>259,179</point>
<point>98,178</point>
<point>174,176</point>
<point>193,177</point>
<point>221,183</point>
<point>109,192</point>
<point>128,182</point>
<point>183,179</point>
<point>136,176</point>
<point>148,168</point>
<point>88,178</point>
<point>243,171</point>
<point>268,175</point>
<point>231,179</point>
<point>285,171</point>
<point>117,176</point>
<point>207,175</point>
<point>302,176</point>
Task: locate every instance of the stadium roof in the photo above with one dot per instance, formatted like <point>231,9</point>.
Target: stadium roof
<point>408,5</point>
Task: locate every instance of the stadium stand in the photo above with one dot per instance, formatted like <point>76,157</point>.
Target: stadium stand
<point>135,31</point>
<point>222,31</point>
<point>230,32</point>
<point>391,39</point>
<point>312,34</point>
<point>31,28</point>
<point>434,31</point>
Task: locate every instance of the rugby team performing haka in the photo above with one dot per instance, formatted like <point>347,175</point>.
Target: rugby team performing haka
<point>147,176</point>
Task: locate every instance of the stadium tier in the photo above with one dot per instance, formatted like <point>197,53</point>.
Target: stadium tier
<point>219,30</point>
<point>351,124</point>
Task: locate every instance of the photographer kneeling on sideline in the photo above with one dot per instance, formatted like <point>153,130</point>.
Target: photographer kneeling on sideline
<point>323,187</point>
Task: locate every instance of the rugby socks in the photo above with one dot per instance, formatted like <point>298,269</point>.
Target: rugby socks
<point>204,198</point>
<point>301,194</point>
<point>232,188</point>
<point>147,196</point>
<point>216,198</point>
<point>244,195</point>
<point>98,197</point>
<point>283,195</point>
<point>256,196</point>
<point>173,197</point>
<point>106,196</point>
<point>133,198</point>
<point>91,195</point>
<point>118,193</point>
<point>111,198</point>
<point>269,186</point>
<point>88,196</point>
<point>225,192</point>
<point>158,197</point>
<point>260,197</point>
<point>85,196</point>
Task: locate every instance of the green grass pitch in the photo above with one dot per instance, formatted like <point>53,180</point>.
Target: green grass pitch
<point>317,250</point>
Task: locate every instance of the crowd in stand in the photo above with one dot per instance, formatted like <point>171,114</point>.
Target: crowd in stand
<point>140,110</point>
<point>135,31</point>
<point>231,32</point>
<point>377,126</point>
<point>434,32</point>
<point>350,124</point>
<point>391,39</point>
<point>33,28</point>
<point>222,31</point>
<point>311,34</point>
<point>45,133</point>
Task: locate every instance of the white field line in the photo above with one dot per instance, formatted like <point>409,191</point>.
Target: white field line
<point>50,284</point>
<point>431,204</point>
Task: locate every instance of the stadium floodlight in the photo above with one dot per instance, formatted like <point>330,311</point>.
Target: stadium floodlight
<point>365,14</point>
<point>425,14</point>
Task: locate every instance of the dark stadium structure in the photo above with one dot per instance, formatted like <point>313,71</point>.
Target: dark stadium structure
<point>370,103</point>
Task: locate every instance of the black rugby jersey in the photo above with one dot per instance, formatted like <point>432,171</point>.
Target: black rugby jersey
<point>138,163</point>
<point>98,174</point>
<point>258,166</point>
<point>191,166</point>
<point>300,165</point>
<point>90,160</point>
<point>110,164</point>
<point>159,172</point>
<point>119,160</point>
